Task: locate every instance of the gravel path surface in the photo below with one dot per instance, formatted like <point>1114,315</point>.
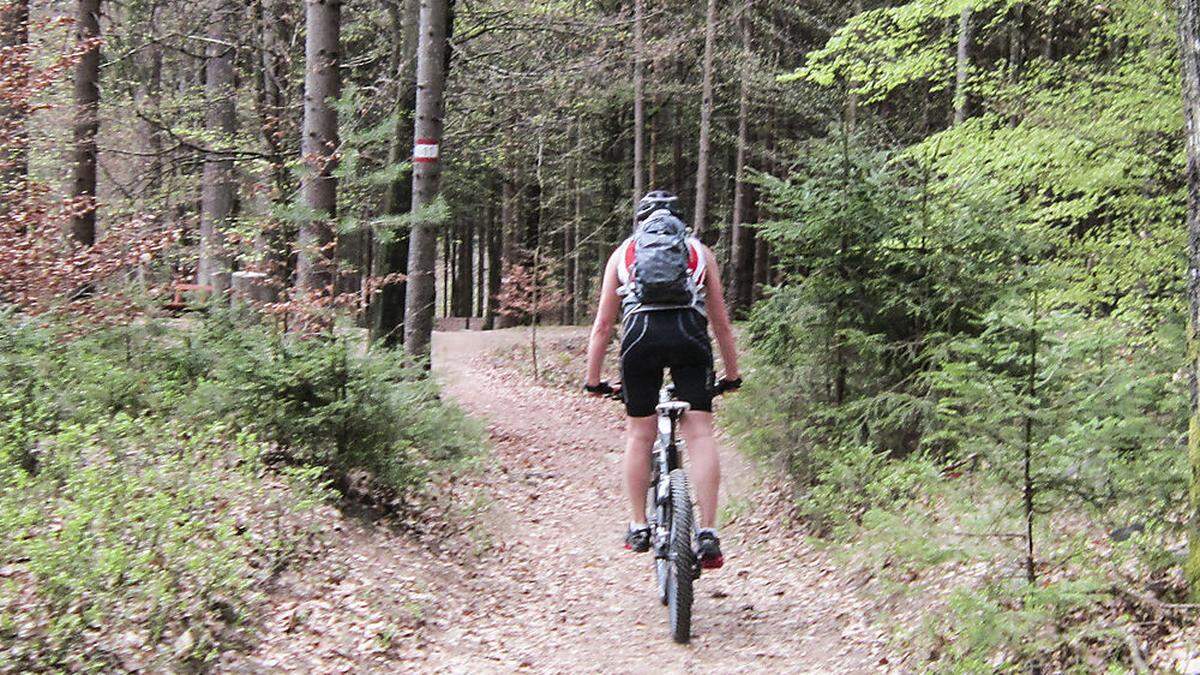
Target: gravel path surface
<point>549,588</point>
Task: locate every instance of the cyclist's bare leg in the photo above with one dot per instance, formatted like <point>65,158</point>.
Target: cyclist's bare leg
<point>705,472</point>
<point>639,444</point>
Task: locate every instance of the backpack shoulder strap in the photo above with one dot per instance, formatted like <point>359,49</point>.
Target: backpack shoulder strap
<point>628,253</point>
<point>697,261</point>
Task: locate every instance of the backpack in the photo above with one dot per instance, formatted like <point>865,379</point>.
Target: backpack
<point>660,262</point>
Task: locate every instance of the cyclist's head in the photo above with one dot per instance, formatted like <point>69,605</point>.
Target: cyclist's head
<point>656,200</point>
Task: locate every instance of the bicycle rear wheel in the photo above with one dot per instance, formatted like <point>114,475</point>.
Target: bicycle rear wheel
<point>681,570</point>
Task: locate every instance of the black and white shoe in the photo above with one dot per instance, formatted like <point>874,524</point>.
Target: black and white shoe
<point>637,540</point>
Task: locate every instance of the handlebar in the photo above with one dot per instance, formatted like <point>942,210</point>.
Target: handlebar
<point>614,392</point>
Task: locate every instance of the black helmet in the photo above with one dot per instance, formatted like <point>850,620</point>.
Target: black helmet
<point>658,199</point>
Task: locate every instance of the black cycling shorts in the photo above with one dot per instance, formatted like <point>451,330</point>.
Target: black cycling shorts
<point>668,338</point>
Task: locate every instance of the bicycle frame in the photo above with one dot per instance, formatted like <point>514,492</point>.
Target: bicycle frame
<point>667,457</point>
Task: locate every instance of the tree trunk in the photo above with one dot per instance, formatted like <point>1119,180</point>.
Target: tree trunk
<point>427,168</point>
<point>150,103</point>
<point>678,172</point>
<point>481,244</point>
<point>1189,34</point>
<point>495,253</point>
<point>852,97</point>
<point>700,219</point>
<point>507,243</point>
<point>570,237</point>
<point>271,21</point>
<point>762,267</point>
<point>87,123</point>
<point>391,250</point>
<point>578,285</point>
<point>962,71</point>
<point>319,142</point>
<point>220,123</point>
<point>742,253</point>
<point>464,268</point>
<point>14,151</point>
<point>639,103</point>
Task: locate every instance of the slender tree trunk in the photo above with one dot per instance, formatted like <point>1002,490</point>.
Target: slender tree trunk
<point>508,242</point>
<point>14,154</point>
<point>87,123</point>
<point>962,71</point>
<point>319,143</point>
<point>464,254</point>
<point>1189,38</point>
<point>1028,493</point>
<point>742,253</point>
<point>220,123</point>
<point>495,251</point>
<point>678,172</point>
<point>447,265</point>
<point>570,237</point>
<point>150,102</point>
<point>852,97</point>
<point>391,248</point>
<point>700,219</point>
<point>579,295</point>
<point>271,20</point>
<point>481,247</point>
<point>639,102</point>
<point>427,168</point>
<point>652,151</point>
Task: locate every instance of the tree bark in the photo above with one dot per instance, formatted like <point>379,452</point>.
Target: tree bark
<point>86,123</point>
<point>319,144</point>
<point>220,123</point>
<point>700,219</point>
<point>481,244</point>
<point>495,253</point>
<point>742,253</point>
<point>14,36</point>
<point>463,271</point>
<point>962,71</point>
<point>570,237</point>
<point>391,257</point>
<point>852,97</point>
<point>149,100</point>
<point>271,23</point>
<point>1189,38</point>
<point>507,243</point>
<point>578,286</point>
<point>639,103</point>
<point>431,82</point>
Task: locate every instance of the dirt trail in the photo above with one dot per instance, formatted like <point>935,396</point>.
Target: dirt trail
<point>553,591</point>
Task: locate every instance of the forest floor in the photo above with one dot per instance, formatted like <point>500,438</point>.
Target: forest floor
<point>539,581</point>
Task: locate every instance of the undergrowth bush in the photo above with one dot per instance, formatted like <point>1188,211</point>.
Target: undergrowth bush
<point>154,476</point>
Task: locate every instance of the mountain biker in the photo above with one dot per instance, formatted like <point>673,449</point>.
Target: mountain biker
<point>657,335</point>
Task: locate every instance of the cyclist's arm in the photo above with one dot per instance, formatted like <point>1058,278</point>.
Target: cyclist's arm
<point>606,320</point>
<point>718,315</point>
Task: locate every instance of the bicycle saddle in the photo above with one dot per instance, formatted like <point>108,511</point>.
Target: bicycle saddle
<point>674,408</point>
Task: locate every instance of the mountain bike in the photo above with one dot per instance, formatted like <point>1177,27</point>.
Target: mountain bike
<point>669,514</point>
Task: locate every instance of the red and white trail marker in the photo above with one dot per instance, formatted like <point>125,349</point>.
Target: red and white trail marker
<point>425,150</point>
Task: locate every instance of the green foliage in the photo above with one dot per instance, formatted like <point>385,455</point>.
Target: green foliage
<point>330,407</point>
<point>903,366</point>
<point>154,476</point>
